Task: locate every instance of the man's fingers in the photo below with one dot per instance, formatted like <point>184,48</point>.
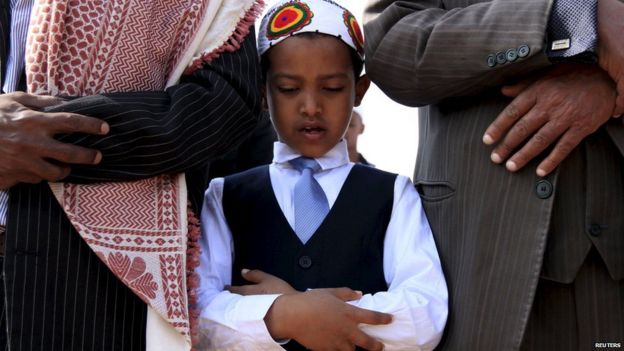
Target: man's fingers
<point>35,101</point>
<point>518,134</point>
<point>516,89</point>
<point>541,140</point>
<point>52,173</point>
<point>366,342</point>
<point>564,147</point>
<point>40,171</point>
<point>71,154</point>
<point>371,317</point>
<point>508,117</point>
<point>63,122</point>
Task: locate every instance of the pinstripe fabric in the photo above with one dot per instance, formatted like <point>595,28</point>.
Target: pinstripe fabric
<point>4,37</point>
<point>576,316</point>
<point>59,295</point>
<point>4,198</point>
<point>172,131</point>
<point>490,226</point>
<point>4,42</point>
<point>593,177</point>
<point>20,18</point>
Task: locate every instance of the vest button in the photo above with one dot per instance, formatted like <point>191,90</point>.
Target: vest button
<point>305,262</point>
<point>543,189</point>
<point>595,229</point>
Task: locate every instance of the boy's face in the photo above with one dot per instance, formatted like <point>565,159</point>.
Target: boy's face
<point>311,91</point>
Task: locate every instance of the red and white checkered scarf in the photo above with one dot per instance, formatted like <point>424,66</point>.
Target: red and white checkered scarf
<point>83,47</point>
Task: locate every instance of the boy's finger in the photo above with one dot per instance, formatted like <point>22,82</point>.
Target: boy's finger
<point>345,294</point>
<point>371,317</point>
<point>254,275</point>
<point>241,290</point>
<point>366,342</point>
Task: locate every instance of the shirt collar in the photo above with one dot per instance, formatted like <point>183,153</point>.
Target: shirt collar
<point>336,157</point>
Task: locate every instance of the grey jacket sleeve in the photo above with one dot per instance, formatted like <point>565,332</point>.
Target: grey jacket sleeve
<point>420,52</point>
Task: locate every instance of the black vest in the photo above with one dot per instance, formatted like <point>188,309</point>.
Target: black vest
<point>346,250</point>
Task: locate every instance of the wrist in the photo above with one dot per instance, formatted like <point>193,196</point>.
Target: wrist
<point>278,317</point>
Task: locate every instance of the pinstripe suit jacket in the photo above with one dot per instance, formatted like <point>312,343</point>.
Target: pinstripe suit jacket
<point>4,37</point>
<point>59,296</point>
<point>490,227</point>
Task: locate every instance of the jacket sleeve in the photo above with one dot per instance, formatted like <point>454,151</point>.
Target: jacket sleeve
<point>420,52</point>
<point>206,115</point>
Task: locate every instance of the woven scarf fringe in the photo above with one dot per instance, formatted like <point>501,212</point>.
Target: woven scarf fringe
<point>193,252</point>
<point>234,41</point>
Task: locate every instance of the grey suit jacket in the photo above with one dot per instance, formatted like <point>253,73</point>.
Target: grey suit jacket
<point>490,225</point>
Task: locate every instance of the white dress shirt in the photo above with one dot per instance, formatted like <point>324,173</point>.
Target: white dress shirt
<point>417,294</point>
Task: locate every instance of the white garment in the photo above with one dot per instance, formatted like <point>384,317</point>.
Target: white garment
<point>417,295</point>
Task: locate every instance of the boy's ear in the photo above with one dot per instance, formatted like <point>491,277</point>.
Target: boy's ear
<point>361,87</point>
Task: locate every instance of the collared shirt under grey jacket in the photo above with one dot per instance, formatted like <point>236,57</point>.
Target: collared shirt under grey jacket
<point>491,226</point>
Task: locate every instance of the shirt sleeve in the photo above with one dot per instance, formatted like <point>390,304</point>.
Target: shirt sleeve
<point>417,296</point>
<point>189,124</point>
<point>227,321</point>
<point>572,30</point>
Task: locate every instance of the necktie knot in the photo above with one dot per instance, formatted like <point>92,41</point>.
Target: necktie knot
<point>303,163</point>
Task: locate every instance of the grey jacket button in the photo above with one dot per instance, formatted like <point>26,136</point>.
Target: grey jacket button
<point>491,60</point>
<point>501,58</point>
<point>523,51</point>
<point>512,55</point>
<point>305,262</point>
<point>544,189</point>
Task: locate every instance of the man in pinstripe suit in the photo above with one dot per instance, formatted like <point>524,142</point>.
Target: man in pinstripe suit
<point>59,295</point>
<point>532,251</point>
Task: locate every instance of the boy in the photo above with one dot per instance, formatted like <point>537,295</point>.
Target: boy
<point>308,229</point>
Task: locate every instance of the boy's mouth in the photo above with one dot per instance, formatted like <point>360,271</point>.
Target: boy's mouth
<point>312,133</point>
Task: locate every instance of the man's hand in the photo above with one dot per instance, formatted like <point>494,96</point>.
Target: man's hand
<point>561,107</point>
<point>30,154</point>
<point>611,45</point>
<point>320,319</point>
<point>264,283</point>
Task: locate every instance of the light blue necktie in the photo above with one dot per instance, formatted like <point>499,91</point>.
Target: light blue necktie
<point>311,205</point>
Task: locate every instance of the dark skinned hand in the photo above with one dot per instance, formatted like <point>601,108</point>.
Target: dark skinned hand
<point>264,283</point>
<point>560,108</point>
<point>30,154</point>
<point>321,320</point>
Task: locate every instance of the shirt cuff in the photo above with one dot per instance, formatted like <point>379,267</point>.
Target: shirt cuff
<point>572,32</point>
<point>248,315</point>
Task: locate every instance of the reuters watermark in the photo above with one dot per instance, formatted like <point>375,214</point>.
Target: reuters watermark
<point>608,345</point>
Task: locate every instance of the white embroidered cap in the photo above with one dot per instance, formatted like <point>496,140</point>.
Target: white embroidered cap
<point>292,17</point>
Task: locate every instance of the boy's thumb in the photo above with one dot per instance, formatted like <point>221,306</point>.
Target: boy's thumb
<point>254,275</point>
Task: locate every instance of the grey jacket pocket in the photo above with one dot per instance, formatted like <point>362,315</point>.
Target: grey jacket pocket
<point>432,191</point>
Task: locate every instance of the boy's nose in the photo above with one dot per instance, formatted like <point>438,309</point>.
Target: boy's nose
<point>310,106</point>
